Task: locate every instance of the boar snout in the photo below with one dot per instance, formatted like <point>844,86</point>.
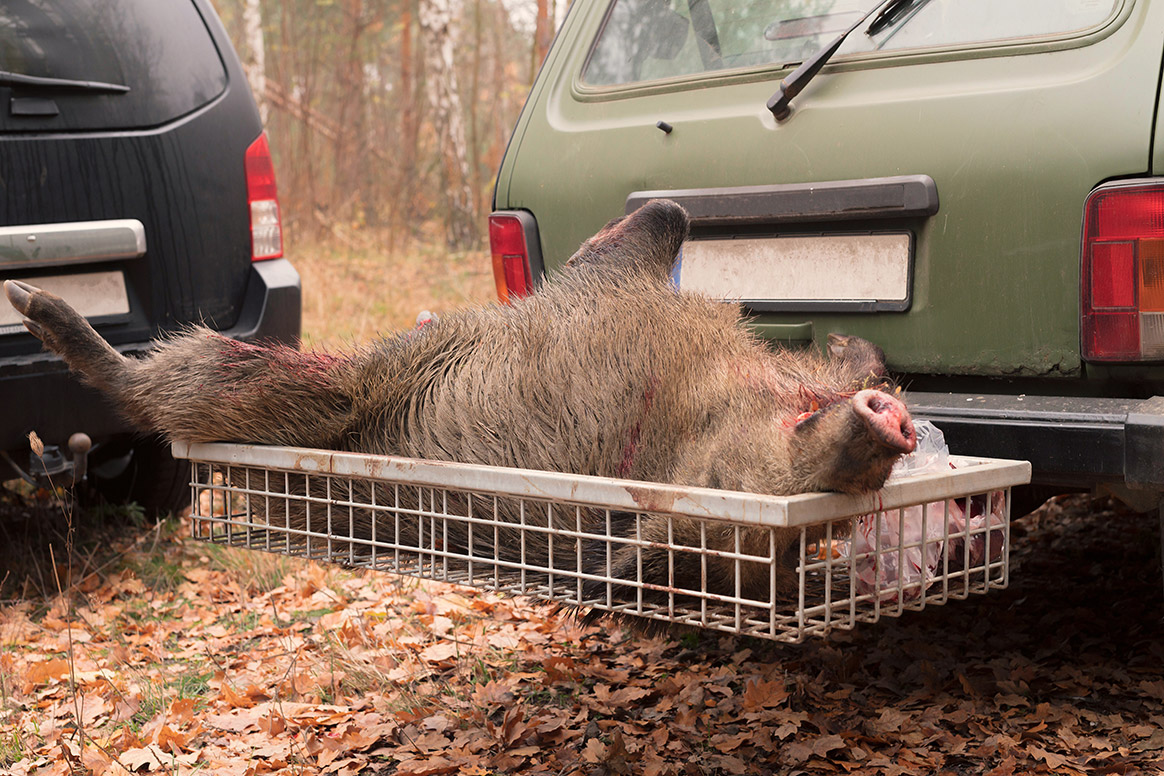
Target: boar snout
<point>887,419</point>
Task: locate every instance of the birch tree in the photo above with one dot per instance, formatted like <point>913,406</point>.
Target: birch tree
<point>436,23</point>
<point>255,64</point>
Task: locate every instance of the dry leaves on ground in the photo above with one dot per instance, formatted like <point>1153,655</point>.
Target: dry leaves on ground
<point>246,664</point>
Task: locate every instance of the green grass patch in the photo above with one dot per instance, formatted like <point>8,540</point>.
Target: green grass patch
<point>158,694</point>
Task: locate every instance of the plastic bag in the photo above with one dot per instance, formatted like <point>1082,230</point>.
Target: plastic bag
<point>899,553</point>
<point>930,455</point>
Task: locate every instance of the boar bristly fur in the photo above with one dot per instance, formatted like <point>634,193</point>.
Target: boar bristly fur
<point>607,370</point>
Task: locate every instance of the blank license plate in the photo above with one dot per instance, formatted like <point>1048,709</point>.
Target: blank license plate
<point>866,271</point>
<point>92,294</point>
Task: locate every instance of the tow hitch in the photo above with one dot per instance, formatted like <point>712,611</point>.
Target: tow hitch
<point>54,467</point>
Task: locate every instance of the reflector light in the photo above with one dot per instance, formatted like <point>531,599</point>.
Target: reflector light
<point>1133,213</point>
<point>1113,278</point>
<point>266,224</point>
<point>511,271</point>
<point>1122,273</point>
<point>1113,337</point>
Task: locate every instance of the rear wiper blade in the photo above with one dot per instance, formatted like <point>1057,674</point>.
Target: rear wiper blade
<point>799,78</point>
<point>68,84</point>
<point>889,14</point>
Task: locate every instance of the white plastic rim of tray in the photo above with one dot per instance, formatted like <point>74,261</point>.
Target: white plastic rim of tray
<point>971,475</point>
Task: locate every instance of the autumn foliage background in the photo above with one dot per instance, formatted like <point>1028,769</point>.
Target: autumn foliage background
<point>387,121</point>
<point>388,118</point>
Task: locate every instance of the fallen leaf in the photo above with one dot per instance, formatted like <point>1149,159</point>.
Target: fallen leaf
<point>1053,760</point>
<point>440,652</point>
<point>825,744</point>
<point>594,752</point>
<point>44,671</point>
<point>426,767</point>
<point>155,757</point>
<point>760,694</point>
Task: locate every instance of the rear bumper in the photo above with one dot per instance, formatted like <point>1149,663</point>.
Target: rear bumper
<point>1068,440</point>
<point>41,395</point>
<point>273,304</point>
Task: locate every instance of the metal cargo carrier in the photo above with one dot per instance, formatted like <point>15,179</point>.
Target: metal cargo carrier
<point>798,565</point>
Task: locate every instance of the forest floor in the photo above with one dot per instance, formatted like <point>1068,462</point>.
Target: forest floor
<point>167,655</point>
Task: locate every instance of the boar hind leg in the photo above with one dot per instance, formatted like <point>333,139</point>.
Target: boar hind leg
<point>66,333</point>
<point>646,242</point>
<point>200,386</point>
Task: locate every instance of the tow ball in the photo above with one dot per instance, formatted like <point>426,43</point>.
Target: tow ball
<point>56,467</point>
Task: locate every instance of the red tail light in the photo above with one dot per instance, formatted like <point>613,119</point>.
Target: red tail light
<point>266,225</point>
<point>511,256</point>
<point>1122,273</point>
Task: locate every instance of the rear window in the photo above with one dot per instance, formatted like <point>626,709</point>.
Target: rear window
<point>159,49</point>
<point>644,40</point>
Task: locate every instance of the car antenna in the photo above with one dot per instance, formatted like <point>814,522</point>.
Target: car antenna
<point>792,85</point>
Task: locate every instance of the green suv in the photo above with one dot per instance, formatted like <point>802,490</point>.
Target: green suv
<point>969,185</point>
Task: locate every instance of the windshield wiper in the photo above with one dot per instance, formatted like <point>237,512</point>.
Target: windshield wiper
<point>63,84</point>
<point>799,78</point>
<point>889,15</point>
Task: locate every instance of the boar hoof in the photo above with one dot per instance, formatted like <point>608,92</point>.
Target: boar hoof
<point>20,294</point>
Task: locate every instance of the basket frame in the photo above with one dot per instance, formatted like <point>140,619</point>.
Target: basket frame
<point>550,507</point>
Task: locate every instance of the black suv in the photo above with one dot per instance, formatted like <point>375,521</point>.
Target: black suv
<point>135,182</point>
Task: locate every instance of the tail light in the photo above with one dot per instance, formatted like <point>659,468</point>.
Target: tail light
<point>266,226</point>
<point>1122,273</point>
<point>516,258</point>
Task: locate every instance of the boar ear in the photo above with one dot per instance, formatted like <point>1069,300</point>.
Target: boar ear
<point>647,240</point>
<point>860,359</point>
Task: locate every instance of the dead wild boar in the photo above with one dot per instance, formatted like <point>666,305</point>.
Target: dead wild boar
<point>608,370</point>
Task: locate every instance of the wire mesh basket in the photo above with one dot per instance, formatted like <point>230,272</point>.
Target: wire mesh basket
<point>774,567</point>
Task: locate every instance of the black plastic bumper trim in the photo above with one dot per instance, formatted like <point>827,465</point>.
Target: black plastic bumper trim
<point>1068,440</point>
<point>272,306</point>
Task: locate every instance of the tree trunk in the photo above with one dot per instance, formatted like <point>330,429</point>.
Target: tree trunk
<point>474,99</point>
<point>348,147</point>
<point>543,34</point>
<point>436,17</point>
<point>406,204</point>
<point>500,124</point>
<point>255,61</point>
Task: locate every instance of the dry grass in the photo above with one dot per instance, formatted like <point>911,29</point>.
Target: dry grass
<point>355,293</point>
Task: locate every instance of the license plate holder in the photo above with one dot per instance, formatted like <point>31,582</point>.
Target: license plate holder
<point>852,272</point>
<point>92,294</point>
